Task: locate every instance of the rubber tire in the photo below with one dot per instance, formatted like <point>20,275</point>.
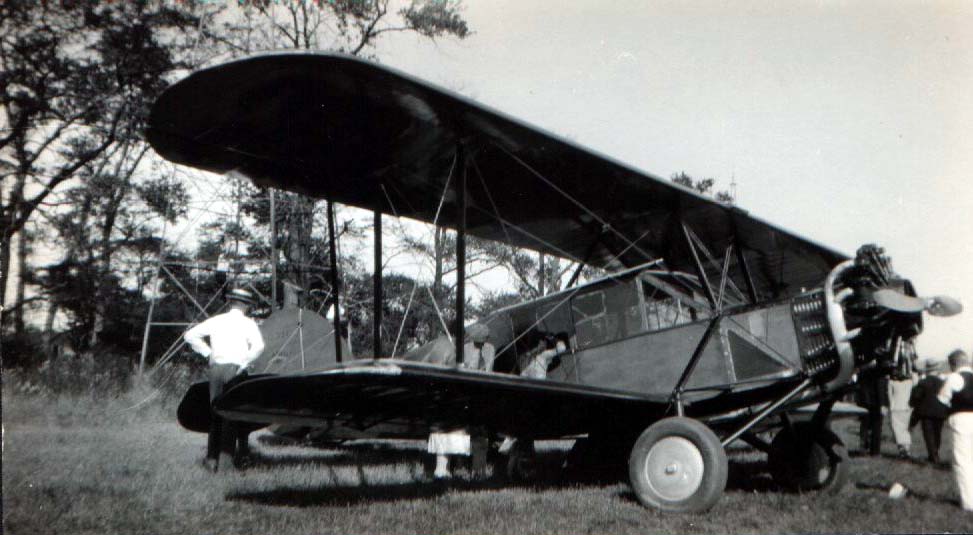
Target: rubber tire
<point>715,468</point>
<point>824,467</point>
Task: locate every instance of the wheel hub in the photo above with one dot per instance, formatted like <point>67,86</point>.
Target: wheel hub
<point>674,468</point>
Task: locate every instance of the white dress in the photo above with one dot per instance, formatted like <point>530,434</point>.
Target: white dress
<point>451,443</point>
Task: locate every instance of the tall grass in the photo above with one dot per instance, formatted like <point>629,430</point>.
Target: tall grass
<point>93,391</point>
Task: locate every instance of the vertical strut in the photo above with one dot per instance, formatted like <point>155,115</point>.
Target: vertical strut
<point>745,267</point>
<point>742,260</point>
<point>700,270</point>
<point>587,257</point>
<point>273,251</point>
<point>335,290</point>
<point>377,288</point>
<point>460,252</point>
<point>687,372</point>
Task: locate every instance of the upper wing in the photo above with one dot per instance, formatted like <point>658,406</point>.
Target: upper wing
<point>355,132</point>
<point>398,398</point>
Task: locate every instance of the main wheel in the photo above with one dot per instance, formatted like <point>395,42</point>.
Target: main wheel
<point>678,465</point>
<point>800,462</point>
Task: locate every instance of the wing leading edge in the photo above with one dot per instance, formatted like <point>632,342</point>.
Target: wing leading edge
<point>358,133</point>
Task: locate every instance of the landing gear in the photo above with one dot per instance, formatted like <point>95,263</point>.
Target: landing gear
<point>522,461</point>
<point>801,461</point>
<point>678,465</point>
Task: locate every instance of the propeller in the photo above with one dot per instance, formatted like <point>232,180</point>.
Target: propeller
<point>940,305</point>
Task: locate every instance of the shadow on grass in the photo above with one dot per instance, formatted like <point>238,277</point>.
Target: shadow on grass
<point>744,475</point>
<point>343,454</point>
<point>326,495</point>
<point>549,476</point>
<point>751,476</point>
<point>910,494</point>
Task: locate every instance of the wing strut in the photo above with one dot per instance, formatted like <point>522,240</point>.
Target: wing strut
<point>700,270</point>
<point>333,256</point>
<point>587,257</point>
<point>377,286</point>
<point>676,396</point>
<point>606,225</point>
<point>742,260</point>
<point>460,252</point>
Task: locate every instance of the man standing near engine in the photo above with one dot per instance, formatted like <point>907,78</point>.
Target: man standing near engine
<point>957,394</point>
<point>900,390</point>
<point>927,411</point>
<point>234,342</point>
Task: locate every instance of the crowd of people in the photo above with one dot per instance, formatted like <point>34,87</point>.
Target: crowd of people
<point>939,396</point>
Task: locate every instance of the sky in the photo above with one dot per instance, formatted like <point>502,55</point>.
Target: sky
<point>846,122</point>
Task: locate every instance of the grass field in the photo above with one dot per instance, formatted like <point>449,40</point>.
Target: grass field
<point>76,465</point>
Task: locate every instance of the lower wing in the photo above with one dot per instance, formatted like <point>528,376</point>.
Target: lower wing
<point>398,398</point>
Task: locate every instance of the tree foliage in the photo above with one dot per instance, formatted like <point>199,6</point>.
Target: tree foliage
<point>78,80</point>
<point>703,186</point>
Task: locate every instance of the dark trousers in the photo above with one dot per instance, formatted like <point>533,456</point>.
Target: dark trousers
<point>871,430</point>
<point>222,433</point>
<point>932,435</point>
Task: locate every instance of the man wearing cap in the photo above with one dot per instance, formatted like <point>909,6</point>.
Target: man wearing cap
<point>234,342</point>
<point>926,408</point>
<point>957,394</point>
<point>478,354</point>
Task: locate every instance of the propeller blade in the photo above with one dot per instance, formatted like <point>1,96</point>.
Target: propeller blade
<point>943,306</point>
<point>940,305</point>
<point>898,301</point>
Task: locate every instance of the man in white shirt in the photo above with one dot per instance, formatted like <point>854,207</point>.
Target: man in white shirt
<point>234,342</point>
<point>957,394</point>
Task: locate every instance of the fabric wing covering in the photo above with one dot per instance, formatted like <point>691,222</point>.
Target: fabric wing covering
<point>395,398</point>
<point>351,131</point>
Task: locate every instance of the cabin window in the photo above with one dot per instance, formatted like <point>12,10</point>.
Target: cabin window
<point>664,311</point>
<point>589,319</point>
<point>606,315</point>
<point>554,320</point>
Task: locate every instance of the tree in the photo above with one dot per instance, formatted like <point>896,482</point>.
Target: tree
<point>105,221</point>
<point>78,79</point>
<point>703,186</point>
<point>348,26</point>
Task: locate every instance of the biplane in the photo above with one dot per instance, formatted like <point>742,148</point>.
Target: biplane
<point>712,326</point>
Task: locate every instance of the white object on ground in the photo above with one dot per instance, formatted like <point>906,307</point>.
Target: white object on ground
<point>897,491</point>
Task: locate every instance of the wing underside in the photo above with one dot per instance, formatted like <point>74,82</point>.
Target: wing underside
<point>351,131</point>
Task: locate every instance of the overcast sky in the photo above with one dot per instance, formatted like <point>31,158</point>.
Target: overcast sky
<point>846,122</point>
